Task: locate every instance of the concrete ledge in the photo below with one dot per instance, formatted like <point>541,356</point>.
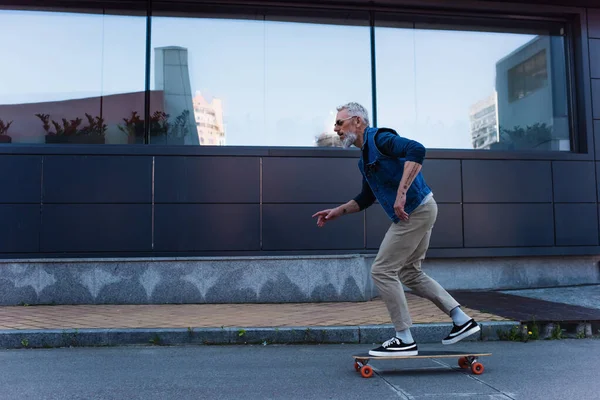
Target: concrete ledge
<point>371,334</point>
<point>185,281</point>
<point>265,279</point>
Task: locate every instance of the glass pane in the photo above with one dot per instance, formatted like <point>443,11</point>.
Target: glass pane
<point>254,83</point>
<point>73,77</point>
<point>473,90</point>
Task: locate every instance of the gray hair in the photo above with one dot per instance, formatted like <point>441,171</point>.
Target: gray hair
<point>356,110</point>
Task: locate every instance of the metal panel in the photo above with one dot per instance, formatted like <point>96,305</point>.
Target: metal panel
<point>97,179</point>
<point>20,179</point>
<point>508,225</point>
<point>597,138</point>
<point>595,58</point>
<point>496,181</point>
<point>574,181</point>
<point>594,23</point>
<point>196,227</point>
<point>447,231</point>
<point>290,227</point>
<point>207,180</point>
<point>576,224</point>
<point>96,227</point>
<point>596,98</point>
<point>443,177</point>
<point>377,225</point>
<point>310,180</point>
<point>598,180</point>
<point>19,230</point>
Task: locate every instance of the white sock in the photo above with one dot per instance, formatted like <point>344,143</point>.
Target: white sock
<point>458,316</point>
<point>405,336</point>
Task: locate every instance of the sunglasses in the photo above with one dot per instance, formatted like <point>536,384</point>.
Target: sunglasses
<point>339,122</point>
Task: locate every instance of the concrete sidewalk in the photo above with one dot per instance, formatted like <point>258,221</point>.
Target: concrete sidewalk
<point>502,315</point>
<point>339,322</point>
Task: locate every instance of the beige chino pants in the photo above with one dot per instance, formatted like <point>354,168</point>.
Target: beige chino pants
<point>399,261</point>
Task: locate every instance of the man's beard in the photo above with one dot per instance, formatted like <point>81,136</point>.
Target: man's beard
<point>349,138</point>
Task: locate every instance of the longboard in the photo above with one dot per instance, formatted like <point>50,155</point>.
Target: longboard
<point>465,360</point>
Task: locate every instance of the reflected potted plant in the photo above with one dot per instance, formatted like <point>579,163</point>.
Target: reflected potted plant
<point>94,132</point>
<point>519,138</point>
<point>4,138</point>
<point>69,131</point>
<point>134,126</point>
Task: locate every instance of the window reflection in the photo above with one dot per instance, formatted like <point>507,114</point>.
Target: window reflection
<point>72,77</point>
<point>473,90</point>
<point>254,83</point>
<point>262,82</point>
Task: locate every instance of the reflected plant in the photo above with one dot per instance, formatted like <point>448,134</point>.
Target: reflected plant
<point>68,128</point>
<point>180,126</point>
<point>4,127</point>
<point>529,137</point>
<point>134,125</point>
<point>96,126</point>
<point>159,123</point>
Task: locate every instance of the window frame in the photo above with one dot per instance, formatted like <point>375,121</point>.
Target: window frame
<point>429,11</point>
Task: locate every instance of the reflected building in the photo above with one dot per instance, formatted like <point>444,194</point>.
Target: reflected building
<point>171,107</point>
<point>532,96</point>
<point>209,120</point>
<point>483,121</point>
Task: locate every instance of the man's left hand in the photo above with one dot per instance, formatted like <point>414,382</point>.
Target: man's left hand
<point>399,207</point>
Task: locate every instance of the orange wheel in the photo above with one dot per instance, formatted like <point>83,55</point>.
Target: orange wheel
<point>463,362</point>
<point>366,371</point>
<point>477,368</point>
<point>357,367</point>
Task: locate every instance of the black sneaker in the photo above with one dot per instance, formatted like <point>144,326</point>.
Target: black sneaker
<point>395,347</point>
<point>460,332</point>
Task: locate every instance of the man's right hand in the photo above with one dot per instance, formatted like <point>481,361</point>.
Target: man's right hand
<point>327,215</point>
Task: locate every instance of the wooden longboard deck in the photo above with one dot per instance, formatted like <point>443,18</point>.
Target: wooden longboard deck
<point>422,354</point>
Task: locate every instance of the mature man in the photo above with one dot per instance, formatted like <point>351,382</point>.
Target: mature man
<point>391,169</point>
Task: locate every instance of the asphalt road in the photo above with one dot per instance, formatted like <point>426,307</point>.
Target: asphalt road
<point>564,369</point>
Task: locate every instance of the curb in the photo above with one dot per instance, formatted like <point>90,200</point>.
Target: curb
<point>363,334</point>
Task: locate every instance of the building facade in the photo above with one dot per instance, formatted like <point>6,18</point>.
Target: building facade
<point>109,146</point>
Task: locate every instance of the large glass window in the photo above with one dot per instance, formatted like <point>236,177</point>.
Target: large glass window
<point>472,89</point>
<point>274,78</point>
<point>70,77</point>
<point>255,82</point>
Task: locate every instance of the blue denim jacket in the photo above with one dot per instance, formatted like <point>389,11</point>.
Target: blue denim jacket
<point>383,174</point>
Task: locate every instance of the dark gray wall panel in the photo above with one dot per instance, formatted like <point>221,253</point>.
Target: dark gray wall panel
<point>576,224</point>
<point>447,231</point>
<point>19,230</point>
<point>574,181</point>
<point>443,177</point>
<point>97,179</point>
<point>290,227</point>
<point>310,180</point>
<point>508,225</point>
<point>596,98</point>
<point>597,138</point>
<point>594,23</point>
<point>198,227</point>
<point>595,58</point>
<point>96,227</point>
<point>377,225</point>
<point>207,180</point>
<point>496,181</point>
<point>20,179</point>
<point>598,178</point>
